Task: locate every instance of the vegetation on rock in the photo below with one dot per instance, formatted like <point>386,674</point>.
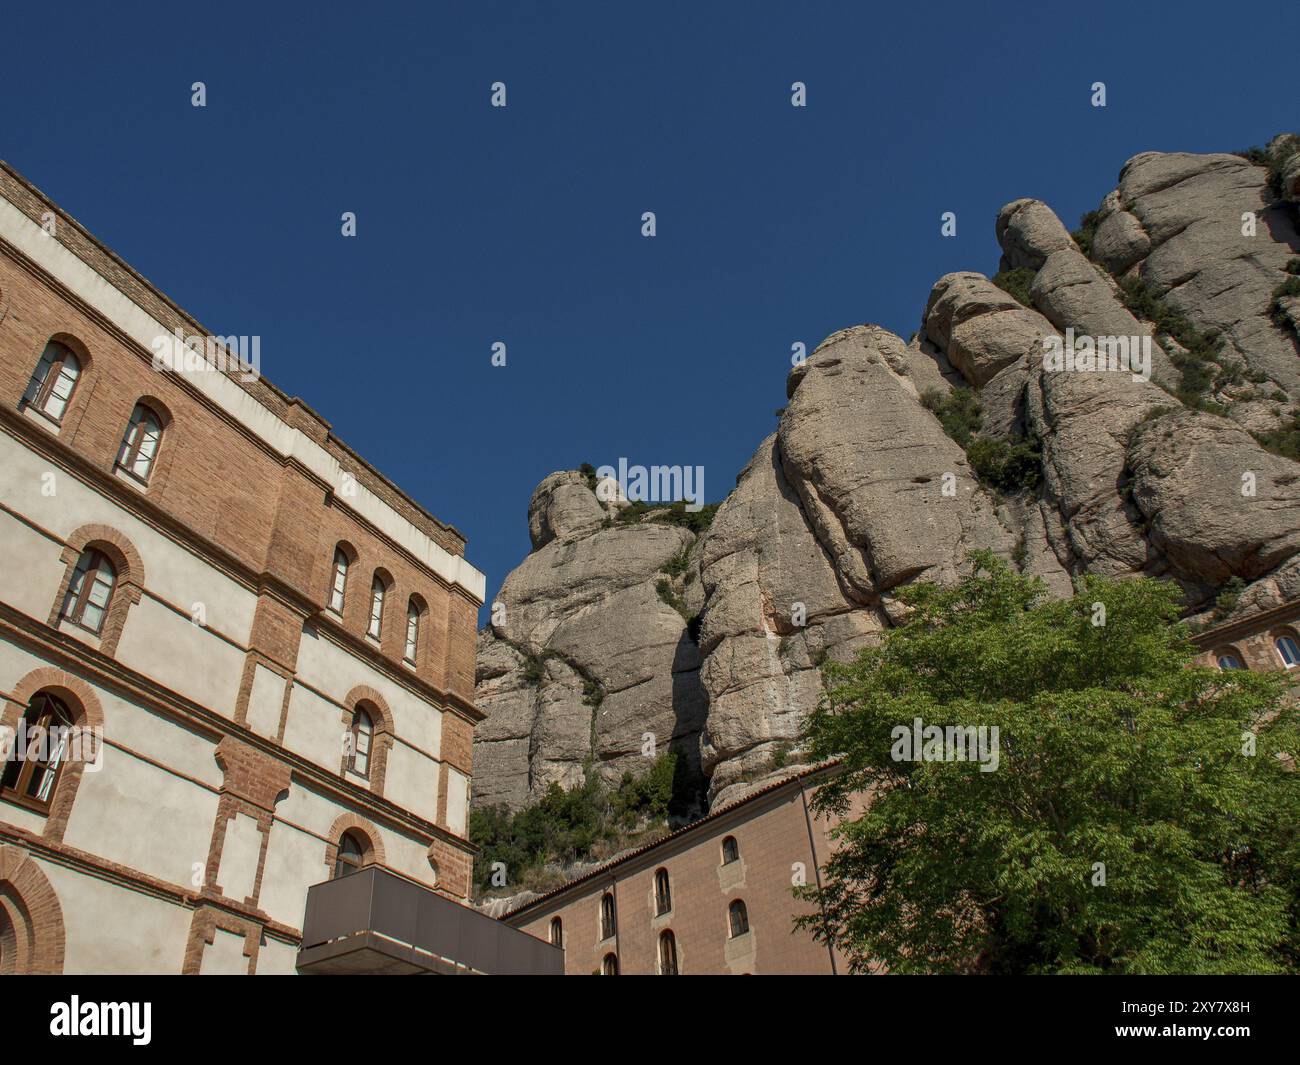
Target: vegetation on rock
<point>959,412</point>
<point>1008,466</point>
<point>1086,231</point>
<point>676,513</point>
<point>587,823</point>
<point>1015,283</point>
<point>1202,351</point>
<point>1285,439</point>
<point>1274,162</point>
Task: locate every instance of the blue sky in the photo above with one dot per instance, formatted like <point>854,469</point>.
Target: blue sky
<point>522,224</point>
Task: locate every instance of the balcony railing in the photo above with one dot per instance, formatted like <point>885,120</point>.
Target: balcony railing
<point>374,921</point>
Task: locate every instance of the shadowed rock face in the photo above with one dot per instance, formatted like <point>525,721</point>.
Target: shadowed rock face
<point>764,570</point>
<point>861,490</point>
<point>586,660</point>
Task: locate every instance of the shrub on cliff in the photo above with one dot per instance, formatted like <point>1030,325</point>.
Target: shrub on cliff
<point>580,824</point>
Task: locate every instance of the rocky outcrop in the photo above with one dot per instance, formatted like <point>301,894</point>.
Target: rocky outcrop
<point>563,505</point>
<point>1215,503</point>
<point>862,489</point>
<point>775,611</point>
<point>982,329</point>
<point>1209,236</point>
<point>889,494</point>
<point>585,663</point>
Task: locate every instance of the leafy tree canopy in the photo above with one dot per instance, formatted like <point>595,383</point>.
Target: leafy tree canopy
<point>1125,829</point>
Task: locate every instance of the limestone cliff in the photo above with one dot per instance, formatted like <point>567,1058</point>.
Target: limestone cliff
<point>589,651</point>
<point>613,629</point>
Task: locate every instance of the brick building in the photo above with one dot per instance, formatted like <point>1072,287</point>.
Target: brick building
<point>715,897</point>
<point>1266,641</point>
<point>263,650</point>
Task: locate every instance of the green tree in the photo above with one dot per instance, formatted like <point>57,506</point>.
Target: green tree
<point>1116,756</point>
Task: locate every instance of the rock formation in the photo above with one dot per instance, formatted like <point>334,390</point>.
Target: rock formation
<point>586,657</point>
<point>614,629</point>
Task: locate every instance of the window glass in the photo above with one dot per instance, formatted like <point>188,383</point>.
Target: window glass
<point>340,583</point>
<point>1289,650</point>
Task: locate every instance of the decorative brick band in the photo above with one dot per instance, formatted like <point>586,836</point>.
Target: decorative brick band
<point>254,782</point>
<point>203,933</point>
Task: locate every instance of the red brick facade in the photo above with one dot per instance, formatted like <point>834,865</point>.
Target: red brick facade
<point>268,523</point>
<point>1253,641</point>
<point>778,843</point>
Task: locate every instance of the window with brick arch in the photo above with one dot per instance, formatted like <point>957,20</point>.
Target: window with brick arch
<point>363,733</point>
<point>140,443</point>
<point>738,917</point>
<point>1288,650</point>
<point>351,855</point>
<point>663,892</point>
<point>90,591</point>
<point>377,591</point>
<point>667,953</point>
<point>339,583</point>
<point>412,631</point>
<point>32,771</point>
<point>53,381</point>
<point>608,919</point>
<point>730,850</point>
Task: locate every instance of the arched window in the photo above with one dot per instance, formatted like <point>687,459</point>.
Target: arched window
<point>738,916</point>
<point>363,731</point>
<point>557,932</point>
<point>32,771</point>
<point>53,381</point>
<point>1229,660</point>
<point>376,607</point>
<point>339,585</point>
<point>663,892</point>
<point>609,967</point>
<point>412,630</point>
<point>667,953</point>
<point>89,591</point>
<point>1289,650</point>
<point>140,443</point>
<point>608,922</point>
<point>730,850</point>
<point>351,855</point>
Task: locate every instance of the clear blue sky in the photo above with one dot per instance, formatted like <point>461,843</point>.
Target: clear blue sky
<point>475,224</point>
